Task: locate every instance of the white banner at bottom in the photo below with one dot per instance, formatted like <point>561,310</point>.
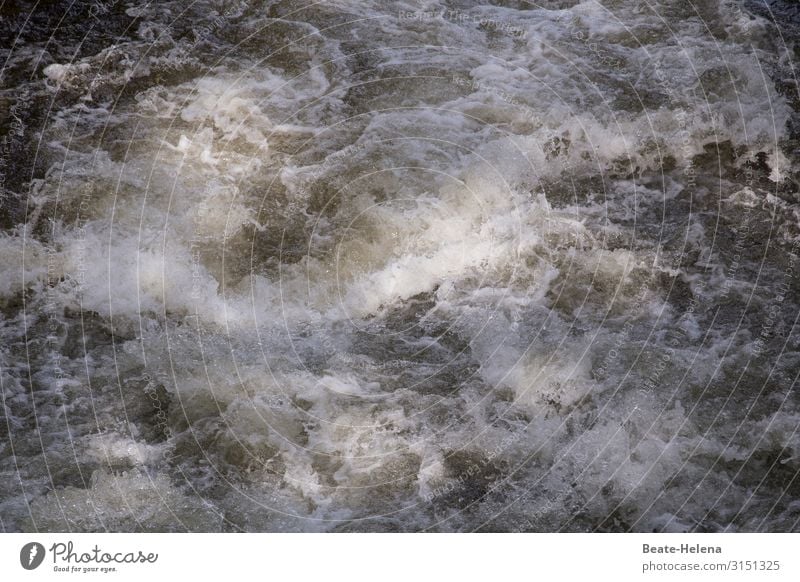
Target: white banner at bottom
<point>388,557</point>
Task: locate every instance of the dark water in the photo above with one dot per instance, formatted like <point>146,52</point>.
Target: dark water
<point>351,266</point>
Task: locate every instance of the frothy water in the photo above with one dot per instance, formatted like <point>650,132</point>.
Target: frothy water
<point>446,266</point>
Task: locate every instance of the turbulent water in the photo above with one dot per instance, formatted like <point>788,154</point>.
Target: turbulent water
<point>399,266</point>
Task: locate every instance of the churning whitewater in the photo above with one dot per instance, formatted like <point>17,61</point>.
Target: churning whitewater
<point>399,266</point>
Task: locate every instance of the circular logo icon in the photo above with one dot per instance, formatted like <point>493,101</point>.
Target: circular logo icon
<point>31,555</point>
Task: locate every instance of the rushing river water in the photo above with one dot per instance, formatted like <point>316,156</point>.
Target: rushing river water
<point>399,266</point>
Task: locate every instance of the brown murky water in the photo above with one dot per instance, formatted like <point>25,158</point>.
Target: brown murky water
<point>449,266</point>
